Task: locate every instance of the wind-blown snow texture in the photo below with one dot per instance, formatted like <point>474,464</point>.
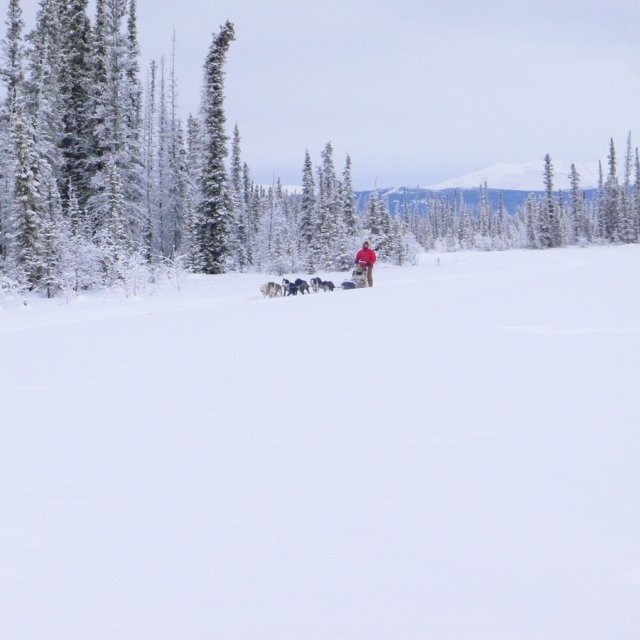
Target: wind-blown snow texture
<point>454,454</point>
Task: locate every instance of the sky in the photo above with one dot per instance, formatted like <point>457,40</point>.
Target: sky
<point>416,92</point>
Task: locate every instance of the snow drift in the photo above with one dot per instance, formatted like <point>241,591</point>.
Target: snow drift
<point>451,454</point>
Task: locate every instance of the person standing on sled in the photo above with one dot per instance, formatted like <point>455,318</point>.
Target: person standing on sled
<point>367,257</point>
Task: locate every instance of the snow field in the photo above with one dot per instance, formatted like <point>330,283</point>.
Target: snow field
<point>452,454</point>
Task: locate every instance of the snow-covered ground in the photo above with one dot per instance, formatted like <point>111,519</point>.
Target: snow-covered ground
<point>453,454</point>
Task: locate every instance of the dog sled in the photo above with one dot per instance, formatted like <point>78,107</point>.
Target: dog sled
<point>359,277</point>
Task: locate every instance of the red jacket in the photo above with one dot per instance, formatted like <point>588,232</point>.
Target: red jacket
<point>367,255</point>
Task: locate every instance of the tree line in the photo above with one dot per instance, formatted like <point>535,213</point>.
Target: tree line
<point>547,219</point>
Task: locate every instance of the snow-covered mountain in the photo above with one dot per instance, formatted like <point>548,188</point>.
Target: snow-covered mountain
<point>522,177</point>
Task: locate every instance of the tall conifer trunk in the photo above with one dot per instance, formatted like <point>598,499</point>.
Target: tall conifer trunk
<point>215,208</point>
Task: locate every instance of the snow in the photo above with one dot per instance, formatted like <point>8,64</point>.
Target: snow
<point>528,176</point>
<point>452,454</point>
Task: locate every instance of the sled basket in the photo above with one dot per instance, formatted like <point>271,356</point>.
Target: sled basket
<point>359,277</point>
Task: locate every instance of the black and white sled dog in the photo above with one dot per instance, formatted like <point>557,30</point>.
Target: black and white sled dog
<point>292,288</point>
<point>271,290</point>
<point>318,283</point>
<point>327,285</point>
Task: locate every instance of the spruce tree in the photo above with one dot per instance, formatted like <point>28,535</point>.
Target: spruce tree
<point>26,219</point>
<point>550,233</point>
<point>465,227</point>
<point>577,212</point>
<point>193,192</point>
<point>484,211</point>
<point>251,205</point>
<point>308,214</point>
<point>149,157</point>
<point>611,202</point>
<point>178,173</point>
<point>349,214</point>
<point>501,223</point>
<point>76,82</point>
<point>13,54</point>
<point>533,217</point>
<point>162,177</point>
<point>113,237</point>
<point>12,74</point>
<point>240,231</point>
<point>54,239</point>
<point>628,232</point>
<point>329,210</point>
<point>115,116</point>
<point>215,208</point>
<point>44,85</point>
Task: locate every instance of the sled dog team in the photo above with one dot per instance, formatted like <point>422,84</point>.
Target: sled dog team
<point>365,258</point>
<point>288,288</point>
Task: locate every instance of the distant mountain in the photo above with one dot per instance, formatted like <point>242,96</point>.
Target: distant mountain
<point>417,199</point>
<point>522,177</point>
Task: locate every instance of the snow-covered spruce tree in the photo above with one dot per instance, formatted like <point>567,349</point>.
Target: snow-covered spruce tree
<point>149,157</point>
<point>549,232</point>
<point>132,161</point>
<point>193,193</point>
<point>25,225</point>
<point>252,210</point>
<point>178,172</point>
<point>343,245</point>
<point>12,74</point>
<point>78,257</point>
<point>349,213</point>
<point>598,207</point>
<point>55,238</point>
<point>533,215</point>
<point>501,237</point>
<point>281,232</point>
<point>564,219</point>
<point>611,199</point>
<point>13,54</point>
<point>465,226</point>
<point>308,215</point>
<point>484,212</point>
<point>628,231</point>
<point>240,235</point>
<point>163,226</point>
<point>213,224</point>
<point>577,213</point>
<point>376,224</point>
<point>450,225</point>
<point>98,89</point>
<point>346,221</point>
<point>383,242</point>
<point>329,210</point>
<point>43,86</point>
<point>169,176</point>
<point>133,88</point>
<point>115,116</point>
<point>370,220</point>
<point>76,79</point>
<point>113,236</point>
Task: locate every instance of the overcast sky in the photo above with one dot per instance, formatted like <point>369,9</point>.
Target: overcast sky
<point>415,91</point>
